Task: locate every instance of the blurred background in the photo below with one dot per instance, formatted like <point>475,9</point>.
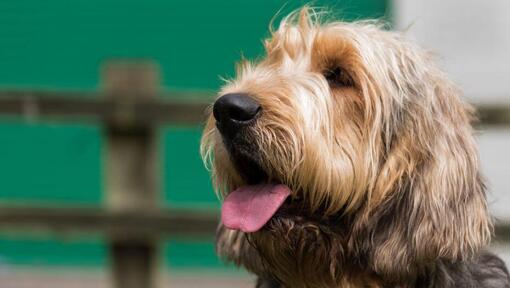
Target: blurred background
<point>55,169</point>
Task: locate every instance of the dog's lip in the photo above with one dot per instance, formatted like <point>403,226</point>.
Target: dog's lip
<point>248,166</point>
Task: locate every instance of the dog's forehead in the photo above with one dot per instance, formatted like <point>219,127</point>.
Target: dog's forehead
<point>316,46</point>
<point>334,46</point>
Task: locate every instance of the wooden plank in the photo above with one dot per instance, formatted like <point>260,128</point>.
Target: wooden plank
<point>493,115</point>
<point>502,231</point>
<point>131,169</point>
<point>81,221</point>
<point>94,107</point>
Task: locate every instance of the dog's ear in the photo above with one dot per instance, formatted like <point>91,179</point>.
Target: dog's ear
<point>434,205</point>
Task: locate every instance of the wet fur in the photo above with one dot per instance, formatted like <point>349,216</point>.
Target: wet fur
<point>385,173</point>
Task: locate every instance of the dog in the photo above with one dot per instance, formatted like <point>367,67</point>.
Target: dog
<point>346,158</point>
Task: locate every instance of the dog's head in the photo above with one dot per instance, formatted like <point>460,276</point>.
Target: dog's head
<point>346,131</point>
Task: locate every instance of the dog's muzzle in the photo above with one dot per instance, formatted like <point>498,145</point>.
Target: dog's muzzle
<point>234,112</point>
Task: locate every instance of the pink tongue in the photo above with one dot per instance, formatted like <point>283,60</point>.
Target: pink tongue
<point>250,207</point>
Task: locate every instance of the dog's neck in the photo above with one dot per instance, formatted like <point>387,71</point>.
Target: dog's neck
<point>299,254</point>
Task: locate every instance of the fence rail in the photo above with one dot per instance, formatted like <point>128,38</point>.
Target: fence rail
<point>184,108</point>
<point>131,109</point>
<point>105,107</point>
<point>83,221</point>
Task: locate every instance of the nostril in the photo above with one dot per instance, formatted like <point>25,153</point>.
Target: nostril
<point>236,107</point>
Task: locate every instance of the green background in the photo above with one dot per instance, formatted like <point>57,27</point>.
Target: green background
<point>60,45</point>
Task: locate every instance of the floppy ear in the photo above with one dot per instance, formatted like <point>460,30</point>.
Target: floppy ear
<point>436,208</point>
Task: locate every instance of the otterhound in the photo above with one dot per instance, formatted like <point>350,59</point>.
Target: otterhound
<point>346,158</point>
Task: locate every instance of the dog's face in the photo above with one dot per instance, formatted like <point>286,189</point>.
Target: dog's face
<point>337,125</point>
<point>310,129</point>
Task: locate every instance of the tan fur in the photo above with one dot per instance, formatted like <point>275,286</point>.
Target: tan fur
<point>401,132</point>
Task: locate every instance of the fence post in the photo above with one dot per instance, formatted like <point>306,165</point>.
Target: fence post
<point>131,169</point>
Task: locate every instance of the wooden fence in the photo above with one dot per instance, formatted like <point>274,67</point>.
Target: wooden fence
<point>130,109</point>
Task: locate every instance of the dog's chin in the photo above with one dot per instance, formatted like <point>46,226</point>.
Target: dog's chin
<point>293,231</point>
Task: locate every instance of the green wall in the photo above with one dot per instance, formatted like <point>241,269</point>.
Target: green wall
<point>60,45</point>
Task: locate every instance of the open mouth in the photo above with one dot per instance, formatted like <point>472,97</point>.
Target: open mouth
<point>250,207</point>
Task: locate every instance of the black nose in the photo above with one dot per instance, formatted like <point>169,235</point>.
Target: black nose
<point>235,109</point>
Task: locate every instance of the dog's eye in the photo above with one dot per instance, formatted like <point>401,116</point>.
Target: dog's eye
<point>337,77</point>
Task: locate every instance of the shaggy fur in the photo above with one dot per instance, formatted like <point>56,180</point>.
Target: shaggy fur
<point>378,149</point>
